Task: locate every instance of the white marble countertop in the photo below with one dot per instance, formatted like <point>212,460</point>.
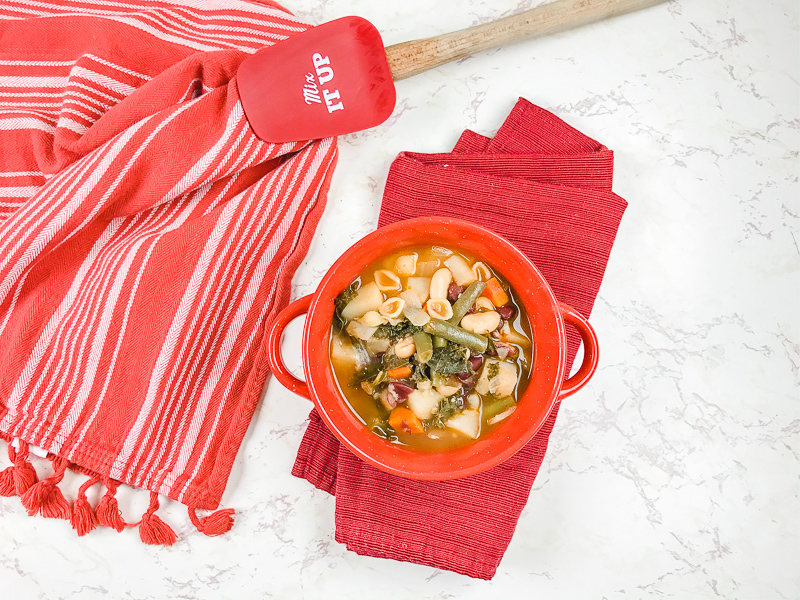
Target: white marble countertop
<point>674,474</point>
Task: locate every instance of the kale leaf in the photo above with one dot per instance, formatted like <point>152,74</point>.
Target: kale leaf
<point>390,360</point>
<point>342,300</point>
<point>448,407</point>
<point>450,359</point>
<point>493,370</point>
<point>419,373</point>
<point>395,332</point>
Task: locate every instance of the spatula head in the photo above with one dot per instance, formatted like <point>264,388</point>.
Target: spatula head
<point>329,80</point>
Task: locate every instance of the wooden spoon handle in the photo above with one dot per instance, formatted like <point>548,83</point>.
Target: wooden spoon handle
<point>409,58</point>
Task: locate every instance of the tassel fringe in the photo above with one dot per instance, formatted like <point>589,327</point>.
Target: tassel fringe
<point>217,523</point>
<point>7,487</point>
<point>107,511</point>
<point>45,498</point>
<point>152,530</point>
<point>19,478</point>
<point>84,518</point>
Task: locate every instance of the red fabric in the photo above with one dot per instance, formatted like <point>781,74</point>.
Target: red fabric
<point>147,237</point>
<point>547,188</point>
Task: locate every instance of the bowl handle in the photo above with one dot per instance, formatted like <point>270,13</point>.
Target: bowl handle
<point>282,374</point>
<point>589,366</point>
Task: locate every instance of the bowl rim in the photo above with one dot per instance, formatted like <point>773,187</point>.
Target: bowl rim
<point>534,405</point>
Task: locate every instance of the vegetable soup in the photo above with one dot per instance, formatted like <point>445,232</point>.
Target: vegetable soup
<point>430,347</point>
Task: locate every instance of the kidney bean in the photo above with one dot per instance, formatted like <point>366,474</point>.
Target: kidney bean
<point>453,292</point>
<point>496,332</point>
<point>398,392</point>
<point>386,399</point>
<point>506,350</point>
<point>508,311</point>
<point>476,362</point>
<point>468,382</point>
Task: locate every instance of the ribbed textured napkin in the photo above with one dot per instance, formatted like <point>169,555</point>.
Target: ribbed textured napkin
<point>546,187</point>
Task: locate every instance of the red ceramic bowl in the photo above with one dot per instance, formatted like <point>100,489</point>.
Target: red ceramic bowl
<point>545,387</point>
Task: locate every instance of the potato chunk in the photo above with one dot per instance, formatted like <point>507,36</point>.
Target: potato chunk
<point>498,380</point>
<point>467,422</point>
<point>367,298</point>
<point>424,403</point>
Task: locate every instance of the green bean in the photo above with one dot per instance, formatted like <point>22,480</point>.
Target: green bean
<point>439,341</point>
<point>465,301</point>
<point>496,407</point>
<point>456,334</point>
<point>424,346</point>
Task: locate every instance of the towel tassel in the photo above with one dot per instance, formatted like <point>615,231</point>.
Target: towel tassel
<point>45,498</point>
<point>216,523</point>
<point>107,511</point>
<point>152,530</point>
<point>18,478</point>
<point>84,518</point>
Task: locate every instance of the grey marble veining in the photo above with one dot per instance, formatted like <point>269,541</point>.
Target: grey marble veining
<point>674,473</point>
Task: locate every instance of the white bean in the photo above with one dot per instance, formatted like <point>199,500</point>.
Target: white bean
<point>405,347</point>
<point>372,318</point>
<point>440,282</point>
<point>481,323</point>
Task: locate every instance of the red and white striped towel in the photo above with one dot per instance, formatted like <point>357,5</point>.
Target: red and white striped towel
<point>147,239</point>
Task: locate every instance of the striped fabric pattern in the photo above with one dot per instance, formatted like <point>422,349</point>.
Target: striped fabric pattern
<point>147,236</point>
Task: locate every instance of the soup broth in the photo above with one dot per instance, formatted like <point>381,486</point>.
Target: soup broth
<point>430,348</point>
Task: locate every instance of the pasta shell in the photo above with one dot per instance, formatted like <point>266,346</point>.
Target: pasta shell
<point>481,271</point>
<point>406,264</point>
<point>439,308</point>
<point>387,281</point>
<point>483,303</point>
<point>392,308</point>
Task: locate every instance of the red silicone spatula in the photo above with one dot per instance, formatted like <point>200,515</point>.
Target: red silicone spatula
<point>337,78</point>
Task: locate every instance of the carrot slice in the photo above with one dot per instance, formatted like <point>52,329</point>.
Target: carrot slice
<point>405,421</point>
<point>495,292</point>
<point>399,372</point>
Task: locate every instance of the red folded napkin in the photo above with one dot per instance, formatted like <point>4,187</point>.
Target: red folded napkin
<point>547,188</point>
